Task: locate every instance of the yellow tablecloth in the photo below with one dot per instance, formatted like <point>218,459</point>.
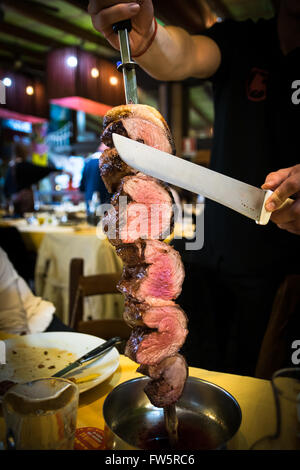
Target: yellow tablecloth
<point>253,395</point>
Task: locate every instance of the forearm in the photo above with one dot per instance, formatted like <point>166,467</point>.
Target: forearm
<point>176,55</point>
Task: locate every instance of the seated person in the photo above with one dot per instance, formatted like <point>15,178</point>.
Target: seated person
<point>21,312</point>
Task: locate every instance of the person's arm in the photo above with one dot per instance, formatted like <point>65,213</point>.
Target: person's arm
<point>170,52</point>
<point>284,183</point>
<point>176,55</point>
<point>20,310</point>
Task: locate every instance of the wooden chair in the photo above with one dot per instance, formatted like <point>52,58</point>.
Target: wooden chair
<point>283,327</point>
<point>81,286</point>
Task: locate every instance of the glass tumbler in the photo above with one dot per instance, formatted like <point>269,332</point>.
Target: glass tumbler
<point>41,415</point>
<point>286,390</point>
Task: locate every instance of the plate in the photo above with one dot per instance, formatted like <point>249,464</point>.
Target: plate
<point>72,344</point>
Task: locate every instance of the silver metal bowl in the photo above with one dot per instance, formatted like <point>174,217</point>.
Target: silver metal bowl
<point>208,417</point>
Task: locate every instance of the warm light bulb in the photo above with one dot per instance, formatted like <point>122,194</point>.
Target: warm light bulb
<point>95,72</point>
<point>113,81</point>
<point>29,90</point>
<point>72,61</point>
<point>7,81</point>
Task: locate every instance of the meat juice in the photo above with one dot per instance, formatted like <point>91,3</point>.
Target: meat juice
<point>190,437</point>
<point>146,430</point>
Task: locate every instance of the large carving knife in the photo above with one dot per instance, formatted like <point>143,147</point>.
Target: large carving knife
<point>127,65</point>
<point>237,195</point>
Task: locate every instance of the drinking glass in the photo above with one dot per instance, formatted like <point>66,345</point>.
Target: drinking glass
<point>41,415</point>
<point>286,390</point>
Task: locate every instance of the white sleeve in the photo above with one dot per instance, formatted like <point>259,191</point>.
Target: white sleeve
<point>39,312</point>
<point>8,274</point>
<point>20,310</point>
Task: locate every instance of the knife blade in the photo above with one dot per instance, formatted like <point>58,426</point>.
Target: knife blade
<point>127,65</point>
<point>234,194</point>
<point>91,355</point>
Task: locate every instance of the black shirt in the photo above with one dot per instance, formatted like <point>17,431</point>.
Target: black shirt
<point>254,133</point>
<point>23,175</point>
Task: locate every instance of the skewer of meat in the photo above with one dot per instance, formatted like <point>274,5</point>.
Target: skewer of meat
<point>153,271</point>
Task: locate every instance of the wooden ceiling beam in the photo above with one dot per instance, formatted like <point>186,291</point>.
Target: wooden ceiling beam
<point>22,33</point>
<point>39,15</point>
<point>81,4</point>
<point>26,66</point>
<point>20,51</point>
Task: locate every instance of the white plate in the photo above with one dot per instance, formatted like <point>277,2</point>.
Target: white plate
<point>78,344</point>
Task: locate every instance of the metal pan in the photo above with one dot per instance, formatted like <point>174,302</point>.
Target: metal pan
<point>208,417</point>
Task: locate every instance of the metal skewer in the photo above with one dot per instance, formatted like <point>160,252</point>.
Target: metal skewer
<point>171,423</point>
<point>127,65</point>
<point>128,68</point>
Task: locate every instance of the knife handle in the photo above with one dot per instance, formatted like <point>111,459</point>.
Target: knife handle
<point>125,24</point>
<point>265,215</point>
<point>99,349</point>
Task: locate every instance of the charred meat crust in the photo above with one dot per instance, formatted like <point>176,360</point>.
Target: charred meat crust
<point>133,312</point>
<point>131,278</point>
<point>138,334</point>
<point>113,128</point>
<point>113,169</point>
<point>132,253</point>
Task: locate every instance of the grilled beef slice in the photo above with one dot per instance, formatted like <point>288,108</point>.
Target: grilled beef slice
<point>168,380</point>
<point>160,278</point>
<point>142,208</point>
<point>168,331</point>
<point>138,122</point>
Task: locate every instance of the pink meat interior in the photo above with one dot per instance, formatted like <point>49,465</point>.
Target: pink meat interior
<point>147,132</point>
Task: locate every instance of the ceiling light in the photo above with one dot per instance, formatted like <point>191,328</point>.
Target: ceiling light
<point>95,72</point>
<point>113,81</point>
<point>29,90</point>
<point>7,81</point>
<point>72,61</point>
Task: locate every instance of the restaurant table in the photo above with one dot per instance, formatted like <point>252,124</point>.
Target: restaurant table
<point>253,395</point>
<point>33,234</point>
<point>52,271</point>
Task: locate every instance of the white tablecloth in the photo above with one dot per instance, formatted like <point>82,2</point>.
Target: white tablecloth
<point>52,272</point>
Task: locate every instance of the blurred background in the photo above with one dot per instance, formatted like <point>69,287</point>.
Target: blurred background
<point>60,77</point>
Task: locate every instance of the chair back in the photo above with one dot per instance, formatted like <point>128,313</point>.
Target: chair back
<point>81,286</point>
